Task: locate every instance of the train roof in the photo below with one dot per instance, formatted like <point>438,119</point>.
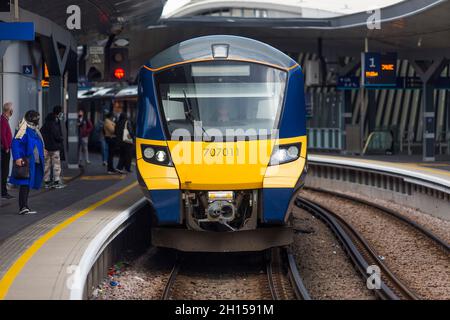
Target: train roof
<point>127,92</point>
<point>240,48</point>
<point>107,92</point>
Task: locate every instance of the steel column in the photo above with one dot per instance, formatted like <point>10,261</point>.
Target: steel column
<point>428,72</point>
<point>72,109</point>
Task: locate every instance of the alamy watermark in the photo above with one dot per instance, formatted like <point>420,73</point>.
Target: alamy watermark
<point>374,279</point>
<point>74,281</point>
<point>374,20</point>
<point>73,21</point>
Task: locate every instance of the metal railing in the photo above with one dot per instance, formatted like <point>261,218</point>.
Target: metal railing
<point>325,138</point>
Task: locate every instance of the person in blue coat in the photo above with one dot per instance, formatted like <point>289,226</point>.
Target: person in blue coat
<point>28,147</point>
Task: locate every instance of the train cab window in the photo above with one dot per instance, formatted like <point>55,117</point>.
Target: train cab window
<point>223,97</point>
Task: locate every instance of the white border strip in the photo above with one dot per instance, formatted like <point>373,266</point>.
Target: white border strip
<point>412,175</point>
<point>92,251</point>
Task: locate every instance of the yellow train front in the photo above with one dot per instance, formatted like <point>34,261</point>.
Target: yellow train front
<point>221,144</point>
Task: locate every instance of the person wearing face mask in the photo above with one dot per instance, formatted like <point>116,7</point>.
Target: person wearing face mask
<point>27,149</point>
<point>53,138</point>
<point>6,139</point>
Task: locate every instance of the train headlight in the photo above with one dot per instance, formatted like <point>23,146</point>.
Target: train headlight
<point>149,153</point>
<point>285,153</point>
<point>293,151</point>
<point>156,155</point>
<point>161,156</point>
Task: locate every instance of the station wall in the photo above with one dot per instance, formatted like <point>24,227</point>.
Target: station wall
<point>23,90</point>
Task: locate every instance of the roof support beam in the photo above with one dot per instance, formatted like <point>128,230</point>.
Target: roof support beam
<point>349,68</point>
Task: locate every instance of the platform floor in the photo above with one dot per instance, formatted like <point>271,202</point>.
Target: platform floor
<point>439,169</point>
<point>37,250</point>
<point>80,184</point>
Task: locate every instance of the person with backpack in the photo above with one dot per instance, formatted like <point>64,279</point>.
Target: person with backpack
<point>53,138</point>
<point>125,138</point>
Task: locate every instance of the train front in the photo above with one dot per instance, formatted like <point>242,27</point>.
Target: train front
<point>221,147</point>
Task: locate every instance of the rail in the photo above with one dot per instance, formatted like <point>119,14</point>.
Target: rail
<point>424,191</point>
<point>360,252</point>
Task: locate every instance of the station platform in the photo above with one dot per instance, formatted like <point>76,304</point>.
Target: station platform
<point>439,170</point>
<point>40,253</point>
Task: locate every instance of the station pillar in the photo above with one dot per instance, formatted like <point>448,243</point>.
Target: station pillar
<point>428,71</point>
<point>55,56</point>
<point>347,116</point>
<point>72,110</point>
<point>55,94</point>
<point>347,68</point>
<point>429,122</point>
<point>371,111</point>
<point>60,57</point>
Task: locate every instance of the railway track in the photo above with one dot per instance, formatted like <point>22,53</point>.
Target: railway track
<point>419,228</point>
<point>282,281</point>
<point>283,276</point>
<point>360,252</point>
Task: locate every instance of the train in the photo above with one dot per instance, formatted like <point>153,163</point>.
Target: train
<point>221,144</point>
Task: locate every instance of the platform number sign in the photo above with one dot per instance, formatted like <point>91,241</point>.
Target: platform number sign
<point>379,70</point>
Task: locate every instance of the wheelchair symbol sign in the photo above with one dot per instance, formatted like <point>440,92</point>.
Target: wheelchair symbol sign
<point>27,70</point>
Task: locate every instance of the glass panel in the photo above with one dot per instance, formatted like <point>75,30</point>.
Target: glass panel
<point>379,142</point>
<point>226,98</point>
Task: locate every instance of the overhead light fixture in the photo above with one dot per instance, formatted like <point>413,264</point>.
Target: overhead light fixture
<point>220,51</point>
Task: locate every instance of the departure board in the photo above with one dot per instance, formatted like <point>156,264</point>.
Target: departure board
<point>379,70</point>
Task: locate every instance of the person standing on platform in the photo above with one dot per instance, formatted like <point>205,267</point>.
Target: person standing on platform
<point>6,139</point>
<point>125,138</point>
<point>53,138</point>
<point>109,129</point>
<point>28,154</point>
<point>84,130</point>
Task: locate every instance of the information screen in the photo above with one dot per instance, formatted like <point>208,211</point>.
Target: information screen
<point>379,69</point>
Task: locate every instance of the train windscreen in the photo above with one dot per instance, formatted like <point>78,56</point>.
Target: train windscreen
<point>221,98</point>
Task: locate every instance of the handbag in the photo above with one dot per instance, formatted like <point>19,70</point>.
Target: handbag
<point>126,135</point>
<point>22,172</point>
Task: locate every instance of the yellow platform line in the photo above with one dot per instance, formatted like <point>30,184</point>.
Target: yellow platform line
<point>103,178</point>
<point>20,263</point>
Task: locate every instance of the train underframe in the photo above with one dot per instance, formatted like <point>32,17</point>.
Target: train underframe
<point>222,221</point>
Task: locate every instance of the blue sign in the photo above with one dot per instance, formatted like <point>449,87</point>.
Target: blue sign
<point>21,31</point>
<point>27,70</point>
<point>347,83</point>
<point>379,69</point>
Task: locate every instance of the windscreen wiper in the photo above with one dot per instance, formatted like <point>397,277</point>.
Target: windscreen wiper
<point>189,114</point>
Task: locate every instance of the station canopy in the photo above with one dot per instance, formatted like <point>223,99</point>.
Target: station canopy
<point>99,18</point>
<point>417,29</point>
<point>413,28</point>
